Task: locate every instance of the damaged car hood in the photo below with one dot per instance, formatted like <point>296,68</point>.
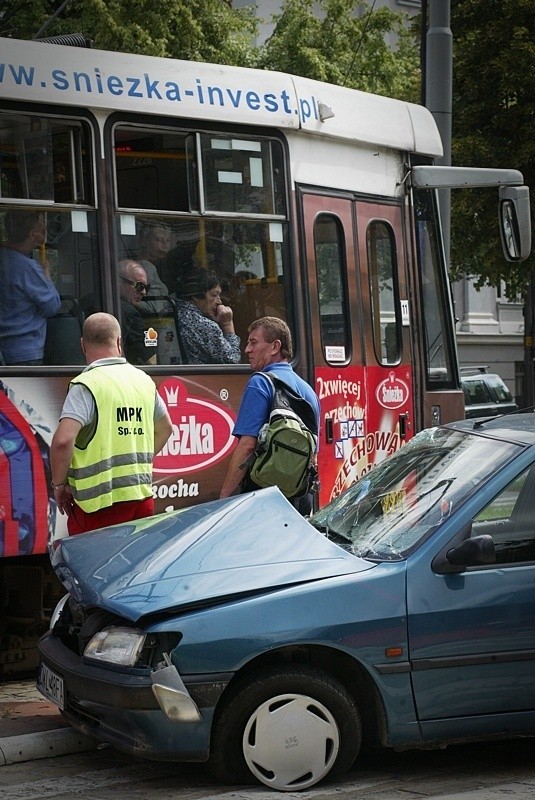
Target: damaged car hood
<point>235,547</point>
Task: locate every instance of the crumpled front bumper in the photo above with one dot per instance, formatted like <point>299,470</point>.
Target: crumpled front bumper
<point>157,715</point>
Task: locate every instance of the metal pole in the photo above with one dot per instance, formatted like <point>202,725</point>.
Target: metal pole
<point>423,51</point>
<point>438,94</point>
<point>528,398</point>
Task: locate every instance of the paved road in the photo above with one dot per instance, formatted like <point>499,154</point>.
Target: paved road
<point>492,771</point>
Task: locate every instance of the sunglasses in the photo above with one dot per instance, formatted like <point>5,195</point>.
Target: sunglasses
<point>139,286</point>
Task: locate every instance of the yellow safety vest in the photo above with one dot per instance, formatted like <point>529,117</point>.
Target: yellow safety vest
<point>112,459</point>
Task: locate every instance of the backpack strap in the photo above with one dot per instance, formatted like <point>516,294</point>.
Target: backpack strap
<point>298,403</point>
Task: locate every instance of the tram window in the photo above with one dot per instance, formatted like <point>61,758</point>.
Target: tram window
<point>69,252</point>
<point>330,268</point>
<point>154,169</point>
<point>159,224</point>
<point>44,158</point>
<point>384,293</point>
<point>48,160</point>
<point>249,257</point>
<point>439,344</point>
<point>242,175</point>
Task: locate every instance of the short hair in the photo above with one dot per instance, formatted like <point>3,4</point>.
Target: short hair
<point>148,226</point>
<point>18,224</point>
<point>125,266</point>
<point>146,230</point>
<point>101,329</point>
<point>275,328</point>
<point>197,282</point>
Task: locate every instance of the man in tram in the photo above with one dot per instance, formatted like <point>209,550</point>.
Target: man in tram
<point>138,347</point>
<point>28,295</point>
<point>154,244</point>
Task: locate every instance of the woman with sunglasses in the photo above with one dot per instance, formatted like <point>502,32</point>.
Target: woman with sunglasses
<point>133,286</point>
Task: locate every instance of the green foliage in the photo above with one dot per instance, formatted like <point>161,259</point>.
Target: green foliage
<point>327,40</point>
<point>23,20</point>
<point>493,124</point>
<point>194,30</point>
<point>340,41</point>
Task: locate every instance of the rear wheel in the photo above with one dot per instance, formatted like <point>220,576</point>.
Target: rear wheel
<point>289,728</point>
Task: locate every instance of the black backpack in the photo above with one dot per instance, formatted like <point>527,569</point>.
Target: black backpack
<point>286,443</point>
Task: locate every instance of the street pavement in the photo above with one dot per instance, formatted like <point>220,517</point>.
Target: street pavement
<point>32,728</point>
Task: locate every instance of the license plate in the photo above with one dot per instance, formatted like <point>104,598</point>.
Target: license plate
<point>51,685</point>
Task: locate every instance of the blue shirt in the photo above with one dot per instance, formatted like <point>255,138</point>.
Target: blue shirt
<point>258,395</point>
<point>27,298</point>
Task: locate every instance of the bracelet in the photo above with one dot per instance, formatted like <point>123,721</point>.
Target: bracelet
<point>58,485</point>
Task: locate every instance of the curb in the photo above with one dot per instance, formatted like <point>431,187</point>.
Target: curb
<point>44,744</point>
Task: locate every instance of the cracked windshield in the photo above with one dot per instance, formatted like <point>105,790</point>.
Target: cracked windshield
<point>404,499</point>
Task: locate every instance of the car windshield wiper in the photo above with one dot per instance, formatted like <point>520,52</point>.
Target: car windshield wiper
<point>369,552</point>
<point>480,422</point>
<point>339,538</point>
<point>331,534</point>
<point>377,555</point>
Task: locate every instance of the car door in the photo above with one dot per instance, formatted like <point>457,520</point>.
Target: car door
<point>472,635</point>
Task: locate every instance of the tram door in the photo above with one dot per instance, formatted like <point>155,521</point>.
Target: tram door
<point>359,309</point>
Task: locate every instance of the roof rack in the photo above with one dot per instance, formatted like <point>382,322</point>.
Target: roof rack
<point>482,368</point>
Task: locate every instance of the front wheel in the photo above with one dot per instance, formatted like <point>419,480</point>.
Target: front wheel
<point>289,728</point>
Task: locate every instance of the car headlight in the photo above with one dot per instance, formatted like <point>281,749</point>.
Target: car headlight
<point>116,645</point>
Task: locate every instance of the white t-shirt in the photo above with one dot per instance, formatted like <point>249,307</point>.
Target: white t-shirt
<point>80,404</point>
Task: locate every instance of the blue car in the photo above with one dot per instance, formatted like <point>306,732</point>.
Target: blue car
<point>274,648</point>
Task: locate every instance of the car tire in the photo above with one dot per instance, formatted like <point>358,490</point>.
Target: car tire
<point>288,728</point>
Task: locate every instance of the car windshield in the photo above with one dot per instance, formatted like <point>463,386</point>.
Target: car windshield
<point>402,500</point>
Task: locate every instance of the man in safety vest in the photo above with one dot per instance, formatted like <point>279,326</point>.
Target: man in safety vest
<point>112,423</point>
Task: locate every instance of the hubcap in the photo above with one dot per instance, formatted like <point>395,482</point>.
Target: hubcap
<point>291,742</point>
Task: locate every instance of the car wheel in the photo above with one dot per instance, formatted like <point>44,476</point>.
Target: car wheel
<point>288,728</point>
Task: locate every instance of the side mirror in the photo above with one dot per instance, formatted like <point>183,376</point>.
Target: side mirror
<point>475,552</point>
<point>515,222</point>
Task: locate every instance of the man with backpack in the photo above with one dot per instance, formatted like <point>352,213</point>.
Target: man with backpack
<point>273,392</point>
